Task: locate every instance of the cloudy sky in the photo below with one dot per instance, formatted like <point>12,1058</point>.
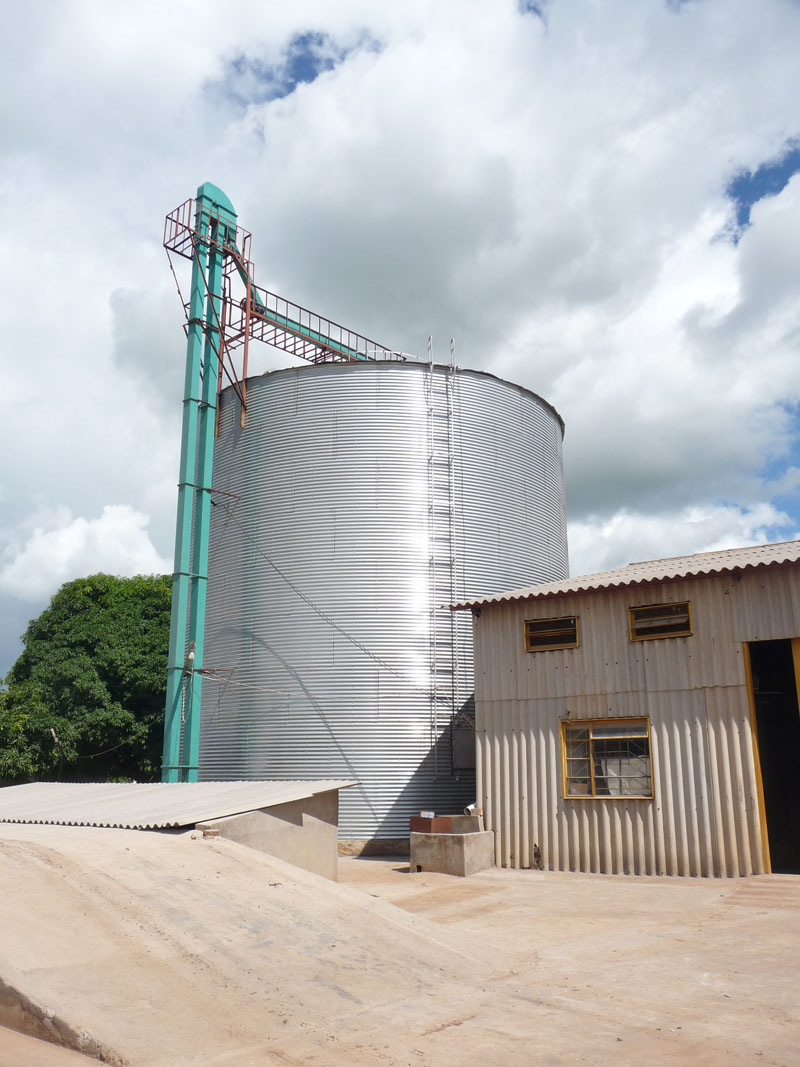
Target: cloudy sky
<point>597,198</point>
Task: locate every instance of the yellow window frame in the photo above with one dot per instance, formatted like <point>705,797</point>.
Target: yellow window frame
<point>687,630</point>
<point>550,648</point>
<point>589,724</point>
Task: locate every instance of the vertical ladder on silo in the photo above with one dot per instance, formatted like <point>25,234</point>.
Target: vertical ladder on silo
<point>456,590</point>
<point>444,665</point>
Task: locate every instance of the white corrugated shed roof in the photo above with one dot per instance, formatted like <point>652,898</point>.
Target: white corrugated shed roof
<point>655,570</point>
<point>146,806</point>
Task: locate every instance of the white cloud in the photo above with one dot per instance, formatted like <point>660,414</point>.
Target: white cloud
<point>551,192</point>
<point>115,543</point>
<point>630,537</point>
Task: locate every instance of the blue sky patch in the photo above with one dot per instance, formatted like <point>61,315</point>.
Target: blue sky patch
<point>308,56</point>
<point>767,180</point>
<point>532,7</point>
<point>249,80</point>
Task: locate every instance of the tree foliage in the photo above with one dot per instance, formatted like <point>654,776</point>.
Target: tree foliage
<point>93,670</point>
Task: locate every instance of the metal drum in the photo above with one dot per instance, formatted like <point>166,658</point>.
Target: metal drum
<point>357,503</point>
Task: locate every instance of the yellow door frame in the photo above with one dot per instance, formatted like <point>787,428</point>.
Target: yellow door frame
<point>762,808</point>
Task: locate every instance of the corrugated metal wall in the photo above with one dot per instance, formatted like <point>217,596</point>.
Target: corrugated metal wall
<point>705,818</point>
<point>348,483</point>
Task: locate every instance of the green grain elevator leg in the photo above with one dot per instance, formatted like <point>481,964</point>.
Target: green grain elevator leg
<point>187,624</point>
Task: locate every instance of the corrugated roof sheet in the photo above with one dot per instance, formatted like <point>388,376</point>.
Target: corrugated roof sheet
<point>145,806</point>
<point>656,570</point>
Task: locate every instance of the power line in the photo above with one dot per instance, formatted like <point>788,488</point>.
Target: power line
<point>210,675</point>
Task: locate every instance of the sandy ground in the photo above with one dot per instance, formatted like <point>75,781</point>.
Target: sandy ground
<point>17,1050</point>
<point>162,949</point>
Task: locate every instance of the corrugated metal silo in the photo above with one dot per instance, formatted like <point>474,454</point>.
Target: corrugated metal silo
<point>358,501</point>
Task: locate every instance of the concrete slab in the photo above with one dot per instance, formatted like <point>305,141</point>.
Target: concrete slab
<point>173,951</point>
<point>609,970</point>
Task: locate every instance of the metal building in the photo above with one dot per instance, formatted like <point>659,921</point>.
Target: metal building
<point>358,502</point>
<point>645,720</point>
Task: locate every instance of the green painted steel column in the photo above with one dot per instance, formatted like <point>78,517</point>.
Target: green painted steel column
<point>187,623</point>
<point>183,528</point>
<point>202,516</point>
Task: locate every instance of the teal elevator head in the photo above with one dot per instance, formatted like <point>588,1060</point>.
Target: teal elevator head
<point>212,196</point>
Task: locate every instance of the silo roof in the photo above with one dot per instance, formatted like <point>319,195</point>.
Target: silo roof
<point>410,362</point>
<point>699,565</point>
<point>148,806</point>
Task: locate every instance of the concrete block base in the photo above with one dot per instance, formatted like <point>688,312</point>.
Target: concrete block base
<point>461,854</point>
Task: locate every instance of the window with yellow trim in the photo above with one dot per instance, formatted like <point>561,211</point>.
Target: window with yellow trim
<point>607,758</point>
<point>544,634</point>
<point>660,620</point>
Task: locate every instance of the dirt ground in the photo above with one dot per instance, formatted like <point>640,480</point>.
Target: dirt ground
<point>159,949</point>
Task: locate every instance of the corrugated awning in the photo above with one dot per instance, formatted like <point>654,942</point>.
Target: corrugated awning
<point>656,570</point>
<point>146,806</point>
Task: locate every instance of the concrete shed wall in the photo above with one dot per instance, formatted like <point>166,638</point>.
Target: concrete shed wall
<point>705,818</point>
<point>302,832</point>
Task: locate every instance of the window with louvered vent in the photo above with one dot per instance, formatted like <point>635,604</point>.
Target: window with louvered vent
<point>660,620</point>
<point>544,634</point>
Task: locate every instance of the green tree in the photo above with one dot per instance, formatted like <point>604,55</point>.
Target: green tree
<point>85,699</point>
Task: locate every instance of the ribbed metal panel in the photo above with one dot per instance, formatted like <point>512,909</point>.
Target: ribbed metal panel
<point>703,820</point>
<point>705,816</point>
<point>357,501</point>
<point>145,805</point>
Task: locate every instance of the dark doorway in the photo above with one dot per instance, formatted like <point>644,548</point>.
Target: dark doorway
<point>778,727</point>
